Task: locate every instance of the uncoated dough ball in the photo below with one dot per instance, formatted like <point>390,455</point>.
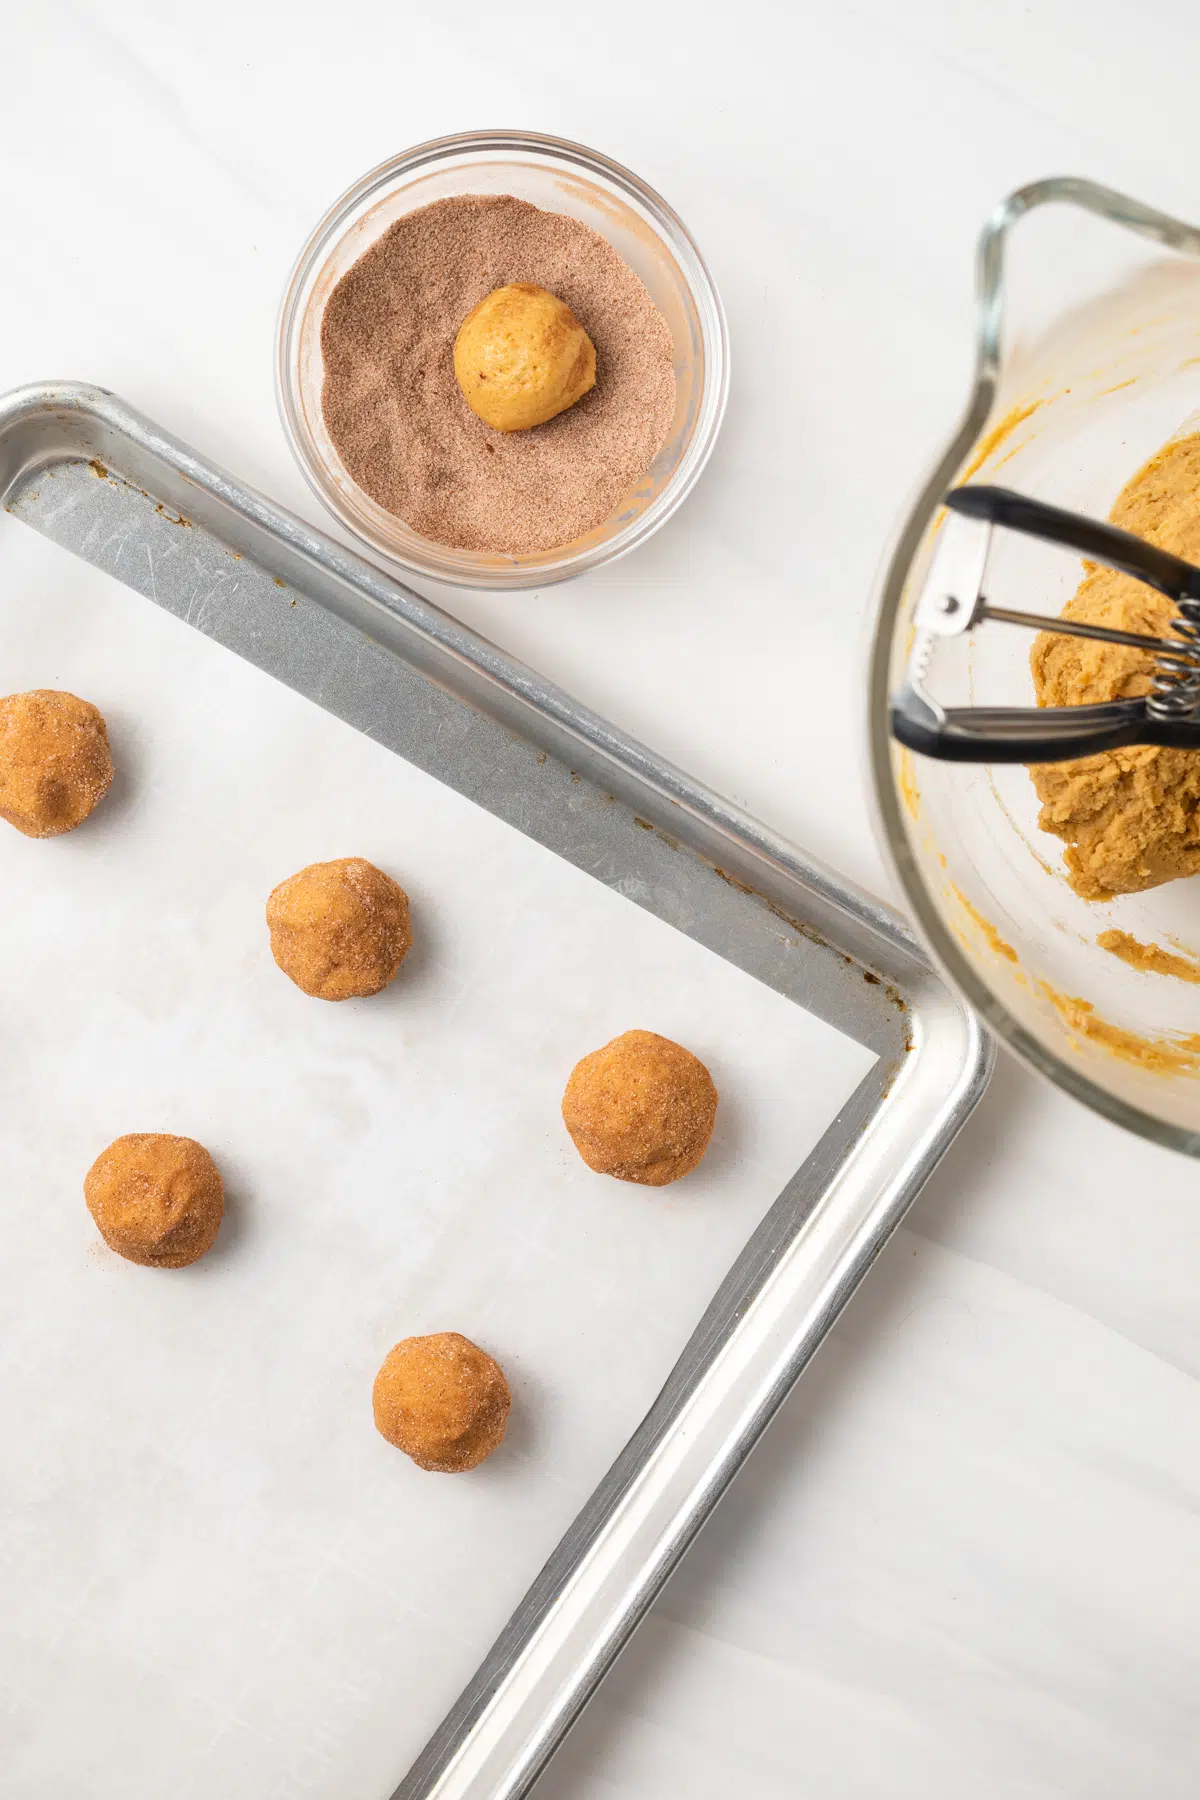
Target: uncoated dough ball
<point>521,356</point>
<point>55,763</point>
<point>157,1199</point>
<point>442,1400</point>
<point>339,929</point>
<point>642,1109</point>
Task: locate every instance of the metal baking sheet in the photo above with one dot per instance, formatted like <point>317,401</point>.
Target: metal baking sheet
<point>96,477</point>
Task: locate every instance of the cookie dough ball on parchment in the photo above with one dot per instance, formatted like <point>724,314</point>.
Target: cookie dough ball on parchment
<point>157,1199</point>
<point>641,1108</point>
<point>340,929</point>
<point>55,764</point>
<point>442,1400</point>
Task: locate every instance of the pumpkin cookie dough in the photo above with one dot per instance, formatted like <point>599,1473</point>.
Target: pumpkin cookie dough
<point>1130,818</point>
<point>339,930</point>
<point>521,356</point>
<point>641,1108</point>
<point>55,765</point>
<point>157,1200</point>
<point>442,1400</point>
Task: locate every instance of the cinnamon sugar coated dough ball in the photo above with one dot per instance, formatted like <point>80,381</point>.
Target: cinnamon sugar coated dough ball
<point>642,1109</point>
<point>341,929</point>
<point>157,1199</point>
<point>442,1400</point>
<point>521,357</point>
<point>55,764</point>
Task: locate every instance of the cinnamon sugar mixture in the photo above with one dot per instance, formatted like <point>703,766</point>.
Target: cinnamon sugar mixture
<point>400,424</point>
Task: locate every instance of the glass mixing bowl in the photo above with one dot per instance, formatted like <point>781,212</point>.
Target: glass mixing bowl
<point>559,177</point>
<point>1088,362</point>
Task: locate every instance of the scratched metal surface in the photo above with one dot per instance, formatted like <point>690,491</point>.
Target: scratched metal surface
<point>78,465</point>
<point>152,547</point>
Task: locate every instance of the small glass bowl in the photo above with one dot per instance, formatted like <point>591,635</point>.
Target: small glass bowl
<point>559,177</point>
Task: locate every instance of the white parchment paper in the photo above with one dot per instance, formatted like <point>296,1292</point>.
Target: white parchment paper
<point>217,1580</point>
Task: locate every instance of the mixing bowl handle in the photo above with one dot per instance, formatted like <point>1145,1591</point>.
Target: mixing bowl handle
<point>1093,538</point>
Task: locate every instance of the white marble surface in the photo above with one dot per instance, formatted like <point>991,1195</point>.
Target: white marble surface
<point>967,1558</point>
